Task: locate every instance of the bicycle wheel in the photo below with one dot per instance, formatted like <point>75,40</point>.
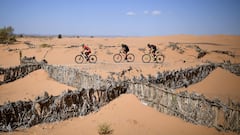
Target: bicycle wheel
<point>130,57</point>
<point>159,58</point>
<point>92,58</point>
<point>158,52</point>
<point>79,59</point>
<point>117,58</point>
<point>146,58</point>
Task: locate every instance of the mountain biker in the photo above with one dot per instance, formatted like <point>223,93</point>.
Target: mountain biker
<point>86,50</point>
<point>125,50</point>
<point>152,50</point>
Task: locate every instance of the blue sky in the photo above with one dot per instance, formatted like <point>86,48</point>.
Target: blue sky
<point>121,17</point>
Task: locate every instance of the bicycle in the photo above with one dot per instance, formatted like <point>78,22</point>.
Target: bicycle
<point>159,58</point>
<point>119,56</point>
<point>81,57</point>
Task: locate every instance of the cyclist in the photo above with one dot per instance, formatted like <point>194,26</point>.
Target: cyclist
<point>125,50</point>
<point>86,50</point>
<point>152,50</point>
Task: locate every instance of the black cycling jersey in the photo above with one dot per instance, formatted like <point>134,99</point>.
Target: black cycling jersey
<point>125,48</point>
<point>153,47</point>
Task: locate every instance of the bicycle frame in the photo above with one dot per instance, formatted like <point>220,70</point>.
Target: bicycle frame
<point>156,53</point>
<point>122,53</point>
<point>84,55</point>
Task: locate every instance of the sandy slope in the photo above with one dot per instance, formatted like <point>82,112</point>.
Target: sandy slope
<point>127,116</point>
<point>219,84</point>
<point>105,47</point>
<point>34,84</point>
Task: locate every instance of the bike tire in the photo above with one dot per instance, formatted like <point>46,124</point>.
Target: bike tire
<point>159,58</point>
<point>92,58</point>
<point>117,58</point>
<point>146,58</point>
<point>79,59</point>
<point>130,57</point>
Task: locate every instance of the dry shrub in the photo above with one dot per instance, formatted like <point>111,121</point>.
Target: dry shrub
<point>7,36</point>
<point>104,129</point>
<point>45,46</point>
<point>59,36</point>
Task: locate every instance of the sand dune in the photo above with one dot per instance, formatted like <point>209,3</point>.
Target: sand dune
<point>219,84</point>
<point>126,115</point>
<point>105,47</point>
<point>34,84</point>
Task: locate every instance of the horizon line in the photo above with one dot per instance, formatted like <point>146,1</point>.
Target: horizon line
<point>92,36</point>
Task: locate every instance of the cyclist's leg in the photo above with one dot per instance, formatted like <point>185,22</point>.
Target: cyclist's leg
<point>154,54</point>
<point>87,55</point>
<point>125,53</point>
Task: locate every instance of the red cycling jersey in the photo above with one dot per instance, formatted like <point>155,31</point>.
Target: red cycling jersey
<point>87,48</point>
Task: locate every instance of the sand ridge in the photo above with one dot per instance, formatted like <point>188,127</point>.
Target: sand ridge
<point>31,86</point>
<point>125,114</point>
<point>219,84</point>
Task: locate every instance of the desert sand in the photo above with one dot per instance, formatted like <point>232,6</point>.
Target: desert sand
<point>31,86</point>
<point>125,114</point>
<point>219,84</point>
